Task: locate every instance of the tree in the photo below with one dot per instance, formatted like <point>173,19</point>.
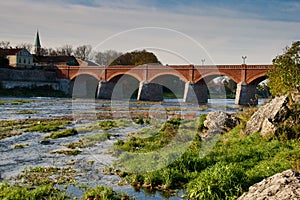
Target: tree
<point>3,60</point>
<point>284,78</point>
<point>83,52</point>
<point>25,45</point>
<point>65,50</point>
<point>136,58</point>
<point>107,57</point>
<point>5,44</point>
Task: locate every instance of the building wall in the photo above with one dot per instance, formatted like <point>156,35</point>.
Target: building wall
<point>12,60</point>
<point>24,59</point>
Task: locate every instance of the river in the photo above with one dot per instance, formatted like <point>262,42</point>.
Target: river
<point>13,161</point>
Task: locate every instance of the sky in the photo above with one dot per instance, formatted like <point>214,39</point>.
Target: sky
<point>178,32</point>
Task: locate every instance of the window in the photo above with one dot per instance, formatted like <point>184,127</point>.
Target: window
<point>24,61</point>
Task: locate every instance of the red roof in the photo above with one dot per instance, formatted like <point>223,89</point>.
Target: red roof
<point>8,52</point>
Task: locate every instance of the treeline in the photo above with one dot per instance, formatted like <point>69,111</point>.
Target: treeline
<point>85,52</point>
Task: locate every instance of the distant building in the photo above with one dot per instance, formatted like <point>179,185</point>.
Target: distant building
<point>37,45</point>
<point>54,60</point>
<point>19,58</point>
<point>40,60</point>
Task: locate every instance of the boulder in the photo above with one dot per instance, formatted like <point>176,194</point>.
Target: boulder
<point>217,123</point>
<point>283,186</point>
<point>266,119</point>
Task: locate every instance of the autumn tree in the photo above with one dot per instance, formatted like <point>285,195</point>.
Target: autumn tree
<point>285,75</point>
<point>136,58</point>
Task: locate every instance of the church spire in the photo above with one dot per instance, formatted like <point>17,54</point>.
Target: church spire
<point>37,44</point>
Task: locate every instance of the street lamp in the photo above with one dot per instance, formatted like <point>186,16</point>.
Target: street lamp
<point>244,59</point>
<point>202,60</point>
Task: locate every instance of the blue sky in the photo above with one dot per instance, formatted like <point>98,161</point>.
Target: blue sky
<point>179,32</point>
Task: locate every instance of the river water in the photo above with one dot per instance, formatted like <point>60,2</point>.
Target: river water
<point>13,161</point>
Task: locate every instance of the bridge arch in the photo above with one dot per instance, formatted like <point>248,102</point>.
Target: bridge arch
<point>211,75</point>
<point>257,79</point>
<point>132,74</point>
<point>96,76</point>
<point>84,86</point>
<point>171,73</point>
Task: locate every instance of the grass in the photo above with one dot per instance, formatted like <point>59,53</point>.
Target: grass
<point>39,175</point>
<point>63,133</point>
<point>68,152</point>
<point>9,128</point>
<point>222,169</point>
<point>25,112</point>
<point>104,193</point>
<point>19,146</point>
<point>41,183</point>
<point>9,192</point>
<point>20,102</point>
<point>89,140</point>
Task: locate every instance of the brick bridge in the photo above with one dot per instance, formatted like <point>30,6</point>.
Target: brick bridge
<point>107,82</point>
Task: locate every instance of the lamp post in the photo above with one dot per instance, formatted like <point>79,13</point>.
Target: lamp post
<point>202,60</point>
<point>244,59</point>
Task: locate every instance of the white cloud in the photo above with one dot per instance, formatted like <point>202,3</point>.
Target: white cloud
<point>224,37</point>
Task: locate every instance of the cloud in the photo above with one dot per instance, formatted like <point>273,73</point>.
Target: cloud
<point>225,33</point>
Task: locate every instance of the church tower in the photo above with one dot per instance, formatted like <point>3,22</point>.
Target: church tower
<point>37,44</point>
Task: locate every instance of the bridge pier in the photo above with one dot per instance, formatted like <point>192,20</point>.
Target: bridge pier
<point>150,92</point>
<point>246,94</point>
<point>195,92</point>
<point>105,90</point>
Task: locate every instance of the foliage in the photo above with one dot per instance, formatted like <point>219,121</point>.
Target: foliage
<point>285,76</point>
<point>136,58</point>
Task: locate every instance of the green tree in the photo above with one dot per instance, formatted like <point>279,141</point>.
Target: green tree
<point>285,76</point>
<point>3,61</point>
<point>136,58</point>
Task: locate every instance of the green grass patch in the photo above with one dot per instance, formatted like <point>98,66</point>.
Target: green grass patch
<point>63,133</point>
<point>19,146</point>
<point>89,140</point>
<point>9,192</point>
<point>39,175</point>
<point>220,169</point>
<point>25,112</point>
<point>105,193</point>
<point>68,152</point>
<point>20,102</point>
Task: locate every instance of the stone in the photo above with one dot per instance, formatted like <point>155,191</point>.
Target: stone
<point>266,119</point>
<point>283,186</point>
<point>217,123</point>
<point>45,142</point>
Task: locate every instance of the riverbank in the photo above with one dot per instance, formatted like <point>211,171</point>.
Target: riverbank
<point>75,139</point>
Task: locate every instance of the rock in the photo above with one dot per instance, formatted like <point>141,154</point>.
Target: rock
<point>217,123</point>
<point>266,119</point>
<point>283,186</point>
<point>45,142</point>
